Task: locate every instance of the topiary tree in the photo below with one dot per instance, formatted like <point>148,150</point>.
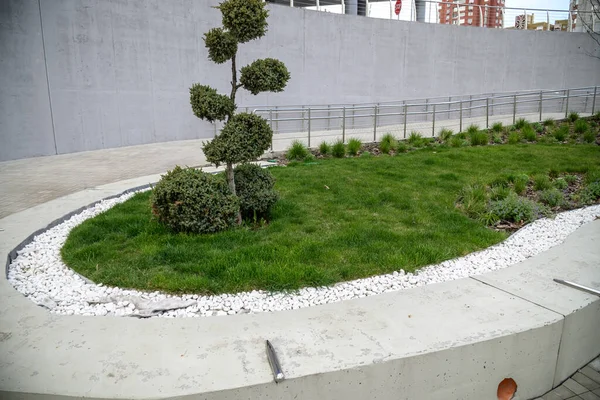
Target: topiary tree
<point>255,189</point>
<point>245,136</point>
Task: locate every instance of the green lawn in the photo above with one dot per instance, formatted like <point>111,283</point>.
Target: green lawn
<point>337,220</point>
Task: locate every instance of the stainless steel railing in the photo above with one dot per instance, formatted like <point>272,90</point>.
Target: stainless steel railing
<point>425,116</point>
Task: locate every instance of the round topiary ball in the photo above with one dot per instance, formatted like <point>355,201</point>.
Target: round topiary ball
<point>189,200</point>
<point>221,45</point>
<point>268,75</point>
<point>255,188</point>
<point>244,19</point>
<point>208,104</point>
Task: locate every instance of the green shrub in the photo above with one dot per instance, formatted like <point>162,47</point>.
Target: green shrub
<point>528,133</point>
<point>446,134</point>
<point>499,192</point>
<point>497,127</point>
<point>388,143</point>
<point>324,148</point>
<point>573,116</point>
<point>472,129</point>
<point>521,123</point>
<point>255,188</point>
<point>591,193</point>
<point>561,133</point>
<point>519,182</point>
<point>570,178</point>
<point>297,151</point>
<point>581,126</point>
<point>472,200</point>
<point>354,145</point>
<point>541,182</point>
<point>265,75</point>
<point>415,139</point>
<point>338,149</point>
<point>561,184</point>
<point>514,138</point>
<point>221,45</point>
<point>589,137</point>
<point>549,122</point>
<point>488,218</point>
<point>245,19</point>
<point>189,200</point>
<point>497,138</point>
<point>457,141</point>
<point>539,128</point>
<point>462,135</point>
<point>402,147</point>
<point>552,197</point>
<point>515,209</point>
<point>479,138</point>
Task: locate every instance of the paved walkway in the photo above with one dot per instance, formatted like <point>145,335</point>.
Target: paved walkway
<point>583,385</point>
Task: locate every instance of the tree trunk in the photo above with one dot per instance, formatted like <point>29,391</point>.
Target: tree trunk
<point>231,184</point>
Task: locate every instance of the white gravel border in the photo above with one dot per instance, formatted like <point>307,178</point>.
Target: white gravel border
<point>39,273</point>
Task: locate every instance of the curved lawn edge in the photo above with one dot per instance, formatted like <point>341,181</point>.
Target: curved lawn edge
<point>43,277</point>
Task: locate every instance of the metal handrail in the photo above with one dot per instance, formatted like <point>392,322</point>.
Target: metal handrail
<point>397,114</point>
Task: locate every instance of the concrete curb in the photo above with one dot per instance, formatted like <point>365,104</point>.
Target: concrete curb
<point>456,339</point>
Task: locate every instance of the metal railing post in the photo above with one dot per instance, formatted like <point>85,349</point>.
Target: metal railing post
<point>291,3</point>
<point>318,5</point>
<point>594,100</point>
<point>328,117</point>
<point>567,105</point>
<point>541,105</point>
<point>525,14</point>
<point>271,125</point>
<point>433,124</point>
<point>487,113</point>
<point>460,116</point>
<point>303,118</point>
<point>353,110</point>
<point>405,115</point>
<point>547,20</point>
<point>276,119</point>
<point>309,127</point>
<point>570,22</point>
<point>344,125</point>
<point>514,109</point>
<point>375,123</point>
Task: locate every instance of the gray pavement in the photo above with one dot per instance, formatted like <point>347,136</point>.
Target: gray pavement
<point>583,385</point>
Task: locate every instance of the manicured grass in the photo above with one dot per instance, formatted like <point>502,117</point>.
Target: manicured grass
<point>338,219</point>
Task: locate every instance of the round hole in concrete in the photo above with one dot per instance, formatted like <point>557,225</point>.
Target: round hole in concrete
<point>507,389</point>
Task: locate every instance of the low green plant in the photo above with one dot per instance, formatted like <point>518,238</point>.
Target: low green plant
<point>581,126</point>
<point>473,128</point>
<point>472,200</point>
<point>551,197</point>
<point>541,182</point>
<point>365,154</point>
<point>479,138</point>
<point>546,139</point>
<point>415,139</point>
<point>497,127</point>
<point>189,200</point>
<point>570,178</point>
<point>496,138</point>
<point>549,122</point>
<point>324,148</point>
<point>521,123</point>
<point>255,188</point>
<point>446,134</point>
<point>297,151</point>
<point>354,145</point>
<point>402,147</point>
<point>589,137</point>
<point>560,183</point>
<point>338,150</point>
<point>528,133</point>
<point>573,116</point>
<point>538,127</point>
<point>514,208</point>
<point>489,218</point>
<point>462,135</point>
<point>388,143</point>
<point>590,193</point>
<point>499,192</point>
<point>514,138</point>
<point>457,141</point>
<point>519,182</point>
<point>561,133</point>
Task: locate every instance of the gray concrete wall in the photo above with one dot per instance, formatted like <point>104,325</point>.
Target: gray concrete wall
<point>118,72</point>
